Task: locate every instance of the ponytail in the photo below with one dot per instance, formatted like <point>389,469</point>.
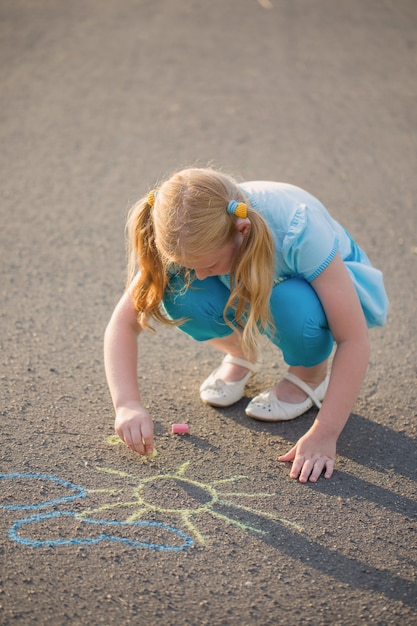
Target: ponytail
<point>209,203</point>
<point>146,275</point>
<point>252,279</point>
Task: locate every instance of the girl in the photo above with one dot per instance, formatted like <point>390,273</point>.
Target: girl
<point>227,263</point>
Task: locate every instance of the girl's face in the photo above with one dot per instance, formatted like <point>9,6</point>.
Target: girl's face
<point>215,263</point>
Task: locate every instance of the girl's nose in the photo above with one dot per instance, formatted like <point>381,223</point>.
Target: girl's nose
<point>201,274</point>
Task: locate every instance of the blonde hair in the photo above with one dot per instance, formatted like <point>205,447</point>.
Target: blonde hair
<point>189,219</point>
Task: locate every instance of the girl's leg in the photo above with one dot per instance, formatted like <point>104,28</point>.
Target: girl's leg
<point>231,372</point>
<point>301,329</point>
<point>202,306</point>
<point>303,335</point>
<point>288,392</point>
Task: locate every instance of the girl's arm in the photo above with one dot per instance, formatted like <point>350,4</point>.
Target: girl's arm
<point>316,450</point>
<point>133,423</point>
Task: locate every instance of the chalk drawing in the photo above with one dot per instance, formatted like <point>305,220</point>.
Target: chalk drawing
<point>79,492</point>
<point>114,440</point>
<point>98,524</point>
<point>188,502</point>
<point>142,502</point>
<point>104,527</point>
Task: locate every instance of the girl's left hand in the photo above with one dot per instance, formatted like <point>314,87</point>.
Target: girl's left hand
<point>310,456</point>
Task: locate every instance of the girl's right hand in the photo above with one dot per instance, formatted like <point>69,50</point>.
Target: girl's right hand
<point>134,426</point>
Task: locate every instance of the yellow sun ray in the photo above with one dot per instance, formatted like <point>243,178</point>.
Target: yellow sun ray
<point>193,529</point>
<point>109,470</point>
<point>232,479</point>
<point>241,525</point>
<point>183,468</point>
<point>247,495</point>
<point>189,517</point>
<point>272,516</point>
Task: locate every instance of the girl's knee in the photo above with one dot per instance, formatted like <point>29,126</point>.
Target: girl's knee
<point>301,328</point>
<point>201,305</point>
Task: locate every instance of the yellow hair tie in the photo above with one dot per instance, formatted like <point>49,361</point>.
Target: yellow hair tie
<point>151,197</point>
<point>238,209</point>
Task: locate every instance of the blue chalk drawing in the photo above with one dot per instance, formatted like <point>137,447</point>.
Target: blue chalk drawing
<point>80,492</point>
<point>15,536</point>
<point>100,524</point>
<point>141,502</point>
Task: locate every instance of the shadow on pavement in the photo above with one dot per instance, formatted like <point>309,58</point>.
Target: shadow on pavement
<point>365,442</point>
<point>368,444</point>
<point>330,562</point>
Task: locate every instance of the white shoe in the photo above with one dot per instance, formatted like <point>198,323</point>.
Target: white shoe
<point>268,408</point>
<point>218,392</point>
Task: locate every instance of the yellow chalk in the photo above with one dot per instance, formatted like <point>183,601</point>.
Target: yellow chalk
<point>114,440</point>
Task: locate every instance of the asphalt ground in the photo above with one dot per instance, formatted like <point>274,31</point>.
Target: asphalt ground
<point>98,101</point>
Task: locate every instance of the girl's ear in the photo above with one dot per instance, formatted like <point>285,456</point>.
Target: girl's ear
<point>243,226</point>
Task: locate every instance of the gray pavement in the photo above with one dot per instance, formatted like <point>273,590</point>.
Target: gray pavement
<point>99,100</point>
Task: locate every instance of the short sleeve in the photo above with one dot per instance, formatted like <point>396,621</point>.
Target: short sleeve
<point>310,243</point>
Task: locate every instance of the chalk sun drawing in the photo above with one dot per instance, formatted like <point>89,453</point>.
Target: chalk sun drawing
<point>206,499</point>
<point>97,530</point>
<point>166,495</point>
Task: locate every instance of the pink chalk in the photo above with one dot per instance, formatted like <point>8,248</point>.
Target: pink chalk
<point>180,429</point>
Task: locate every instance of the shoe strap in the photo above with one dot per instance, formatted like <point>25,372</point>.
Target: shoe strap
<point>253,367</point>
<point>302,385</point>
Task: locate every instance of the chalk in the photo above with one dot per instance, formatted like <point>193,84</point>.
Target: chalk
<point>180,429</point>
<point>114,440</point>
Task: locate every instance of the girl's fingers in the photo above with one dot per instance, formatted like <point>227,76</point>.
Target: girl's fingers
<point>307,469</point>
<point>329,469</point>
<point>312,470</point>
<point>298,467</point>
<point>148,444</point>
<point>289,456</point>
<point>133,439</point>
<point>316,471</point>
<point>147,437</point>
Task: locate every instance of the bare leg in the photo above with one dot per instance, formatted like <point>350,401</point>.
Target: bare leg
<point>313,376</point>
<point>284,389</point>
<point>229,372</point>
